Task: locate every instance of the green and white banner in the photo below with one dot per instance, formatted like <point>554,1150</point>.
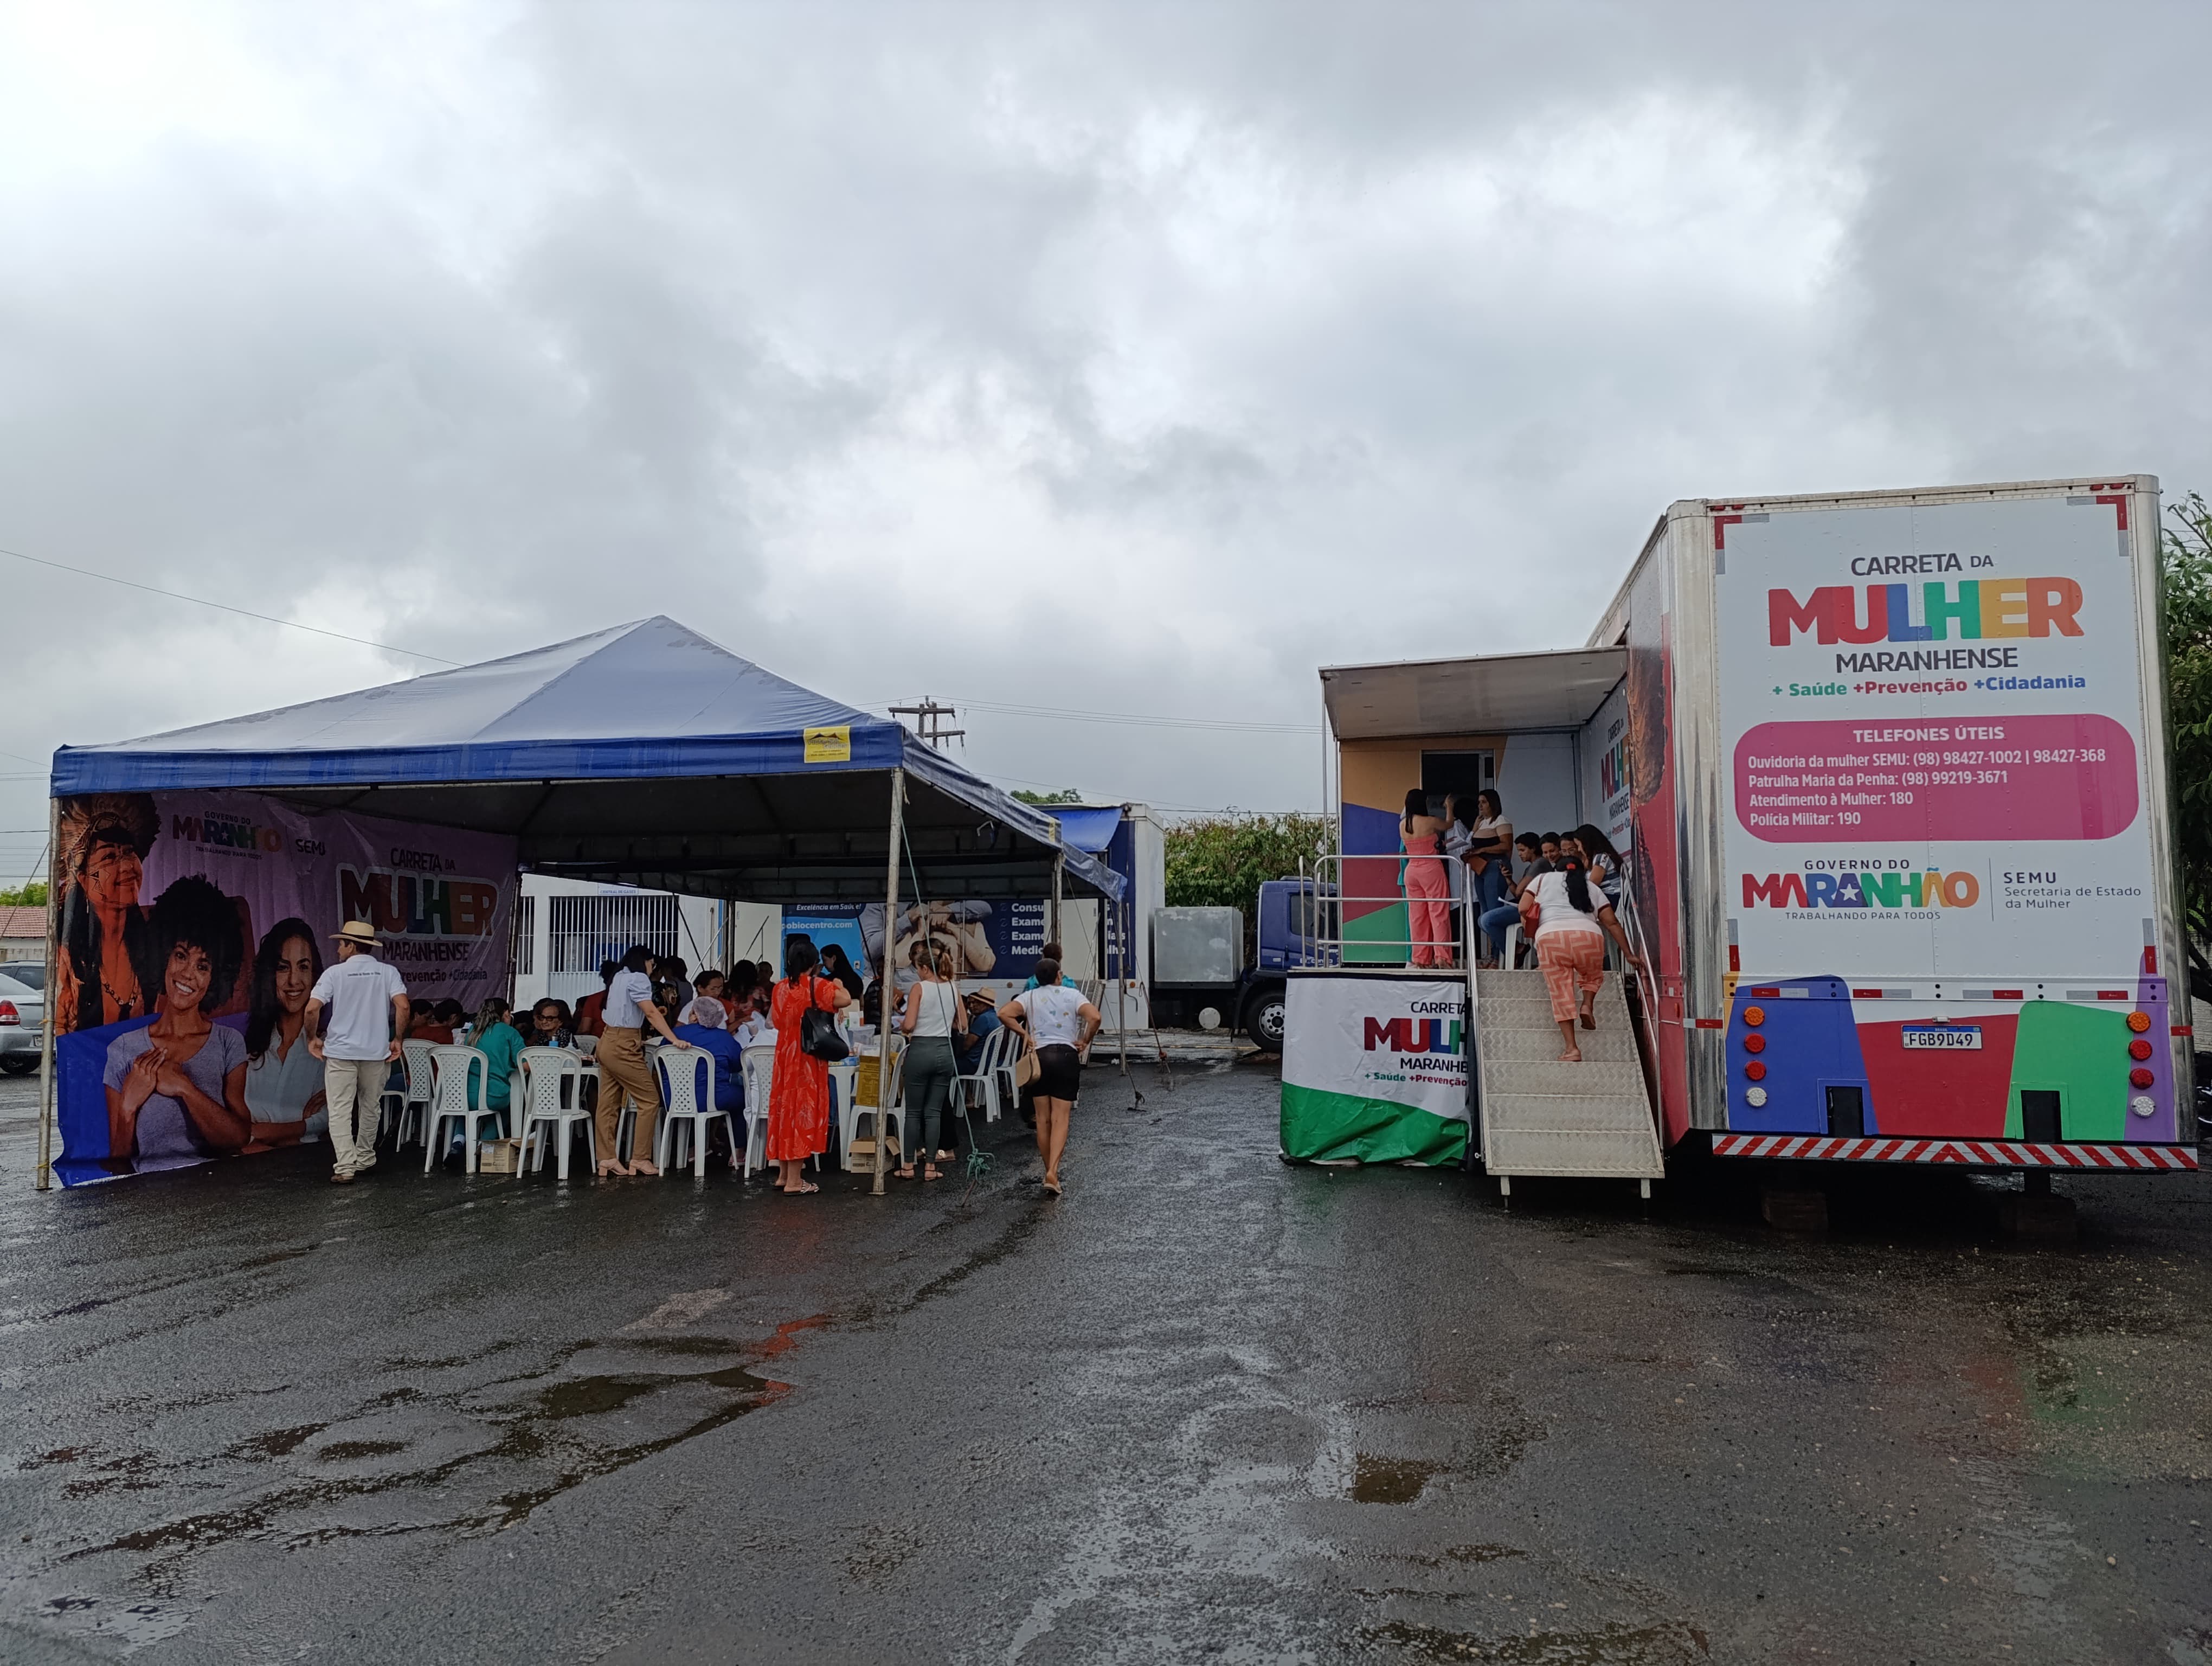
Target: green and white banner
<point>1374,1069</point>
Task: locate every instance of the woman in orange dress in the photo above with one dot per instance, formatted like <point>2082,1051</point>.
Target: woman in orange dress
<point>798,1091</point>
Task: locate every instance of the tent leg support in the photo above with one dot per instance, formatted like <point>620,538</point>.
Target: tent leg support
<point>888,983</point>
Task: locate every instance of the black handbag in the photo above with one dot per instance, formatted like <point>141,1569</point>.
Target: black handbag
<point>819,1036</point>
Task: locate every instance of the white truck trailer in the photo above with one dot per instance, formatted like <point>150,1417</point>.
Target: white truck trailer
<point>1889,770</point>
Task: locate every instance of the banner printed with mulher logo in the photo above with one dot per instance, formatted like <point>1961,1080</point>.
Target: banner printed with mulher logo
<point>1375,1070</point>
<point>193,926</point>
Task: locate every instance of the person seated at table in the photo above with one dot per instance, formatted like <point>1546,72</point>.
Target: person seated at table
<point>739,994</point>
<point>550,1024</point>
<point>495,1037</point>
<point>1494,923</point>
<point>707,986</point>
<point>501,1044</point>
<point>871,1007</point>
<point>705,1026</point>
<point>673,971</point>
<point>982,1007</point>
<point>427,1024</point>
<point>591,1010</point>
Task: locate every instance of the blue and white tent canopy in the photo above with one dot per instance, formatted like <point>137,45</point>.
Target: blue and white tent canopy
<point>643,755</point>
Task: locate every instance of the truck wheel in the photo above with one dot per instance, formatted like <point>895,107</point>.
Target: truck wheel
<point>1263,1020</point>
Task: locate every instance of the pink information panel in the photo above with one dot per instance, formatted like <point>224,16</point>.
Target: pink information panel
<point>2014,777</point>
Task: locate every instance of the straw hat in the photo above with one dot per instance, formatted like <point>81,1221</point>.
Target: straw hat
<point>359,933</point>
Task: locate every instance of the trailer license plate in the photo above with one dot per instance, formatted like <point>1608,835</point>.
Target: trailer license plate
<point>1944,1037</point>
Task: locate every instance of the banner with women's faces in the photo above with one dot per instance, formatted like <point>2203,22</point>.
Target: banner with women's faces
<point>193,926</point>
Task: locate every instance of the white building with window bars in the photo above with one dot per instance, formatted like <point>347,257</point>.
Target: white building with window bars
<point>565,927</point>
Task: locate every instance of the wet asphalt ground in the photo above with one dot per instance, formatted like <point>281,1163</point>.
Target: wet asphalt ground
<point>1208,1408</point>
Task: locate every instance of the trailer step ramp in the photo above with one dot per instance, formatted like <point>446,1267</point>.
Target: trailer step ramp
<point>1542,1117</point>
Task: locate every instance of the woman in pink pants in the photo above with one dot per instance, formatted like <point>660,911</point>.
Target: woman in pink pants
<point>1428,888</point>
<point>1574,920</point>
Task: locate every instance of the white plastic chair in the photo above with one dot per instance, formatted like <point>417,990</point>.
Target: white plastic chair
<point>415,1097</point>
<point>551,1098</point>
<point>454,1071</point>
<point>989,1065</point>
<point>687,1109</point>
<point>587,1045</point>
<point>756,1070</point>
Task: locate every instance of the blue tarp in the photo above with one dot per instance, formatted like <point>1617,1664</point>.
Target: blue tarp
<point>1084,829</point>
<point>652,700</point>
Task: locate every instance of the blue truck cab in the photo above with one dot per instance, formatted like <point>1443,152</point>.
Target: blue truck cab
<point>1296,928</point>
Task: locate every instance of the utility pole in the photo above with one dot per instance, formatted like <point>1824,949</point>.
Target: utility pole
<point>929,722</point>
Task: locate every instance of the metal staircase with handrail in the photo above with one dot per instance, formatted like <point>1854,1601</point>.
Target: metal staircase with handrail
<point>1541,1117</point>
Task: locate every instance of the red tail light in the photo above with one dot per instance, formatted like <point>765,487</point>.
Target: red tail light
<point>9,1015</point>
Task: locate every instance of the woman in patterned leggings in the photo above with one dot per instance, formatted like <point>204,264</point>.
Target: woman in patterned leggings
<point>1574,921</point>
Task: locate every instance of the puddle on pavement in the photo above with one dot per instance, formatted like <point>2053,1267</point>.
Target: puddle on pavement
<point>1670,1643</point>
<point>276,1442</point>
<point>1389,1480</point>
<point>302,1512</point>
<point>1463,1553</point>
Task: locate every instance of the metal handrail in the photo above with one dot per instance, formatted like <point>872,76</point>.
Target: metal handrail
<point>1474,1029</point>
<point>1331,947</point>
<point>1646,1012</point>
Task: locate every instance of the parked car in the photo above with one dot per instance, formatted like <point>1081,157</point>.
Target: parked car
<point>33,972</point>
<point>22,1024</point>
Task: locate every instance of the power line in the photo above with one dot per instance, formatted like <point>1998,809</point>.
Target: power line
<point>225,607</point>
<point>1140,720</point>
<point>931,722</point>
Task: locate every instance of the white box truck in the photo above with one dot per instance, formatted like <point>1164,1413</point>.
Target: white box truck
<point>1889,772</point>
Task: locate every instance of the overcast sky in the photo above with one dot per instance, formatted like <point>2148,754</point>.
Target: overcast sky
<point>1128,359</point>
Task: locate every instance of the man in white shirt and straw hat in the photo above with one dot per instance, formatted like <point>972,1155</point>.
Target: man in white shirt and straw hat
<point>367,1005</point>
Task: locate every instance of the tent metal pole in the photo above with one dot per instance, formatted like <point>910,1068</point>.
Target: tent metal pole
<point>1059,863</point>
<point>1121,994</point>
<point>888,983</point>
<point>46,1180</point>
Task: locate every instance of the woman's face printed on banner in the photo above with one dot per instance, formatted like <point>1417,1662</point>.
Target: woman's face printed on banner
<point>295,974</point>
<point>112,874</point>
<point>185,980</point>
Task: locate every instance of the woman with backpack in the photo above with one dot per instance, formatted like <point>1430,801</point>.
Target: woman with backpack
<point>799,1091</point>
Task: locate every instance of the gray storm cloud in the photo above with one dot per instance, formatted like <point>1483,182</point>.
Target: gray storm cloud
<point>1133,359</point>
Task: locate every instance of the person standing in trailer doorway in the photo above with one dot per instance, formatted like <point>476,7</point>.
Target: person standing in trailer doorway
<point>1428,916</point>
<point>368,1007</point>
<point>623,1071</point>
<point>1490,861</point>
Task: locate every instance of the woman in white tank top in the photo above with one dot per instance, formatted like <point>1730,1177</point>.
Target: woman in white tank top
<point>932,1014</point>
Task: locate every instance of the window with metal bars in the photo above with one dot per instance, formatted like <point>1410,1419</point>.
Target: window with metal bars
<point>583,931</point>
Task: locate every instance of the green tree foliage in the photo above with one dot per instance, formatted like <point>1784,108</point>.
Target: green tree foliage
<point>1219,861</point>
<point>1065,795</point>
<point>2188,574</point>
<point>33,895</point>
